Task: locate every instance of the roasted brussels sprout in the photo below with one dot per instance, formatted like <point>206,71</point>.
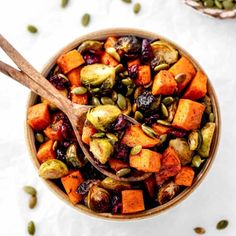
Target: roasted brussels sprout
<point>101,149</point>
<point>99,79</point>
<point>115,185</point>
<point>90,45</point>
<point>99,199</point>
<point>182,148</point>
<point>72,157</point>
<point>167,192</point>
<point>164,52</point>
<point>102,117</point>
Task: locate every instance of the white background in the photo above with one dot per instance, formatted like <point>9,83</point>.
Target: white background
<point>212,42</point>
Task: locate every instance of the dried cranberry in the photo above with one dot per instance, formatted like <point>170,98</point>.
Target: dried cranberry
<point>121,151</point>
<point>120,123</point>
<point>66,144</point>
<point>59,82</point>
<point>146,51</point>
<point>91,58</point>
<point>86,185</point>
<point>151,119</point>
<point>61,154</point>
<point>178,133</point>
<point>116,205</point>
<point>133,71</point>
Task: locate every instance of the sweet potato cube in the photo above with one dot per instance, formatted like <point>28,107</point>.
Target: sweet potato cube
<point>134,62</point>
<point>46,151</point>
<point>88,131</point>
<point>150,185</point>
<point>132,201</point>
<point>188,115</point>
<point>161,129</point>
<point>110,42</point>
<point>74,77</point>
<point>54,131</point>
<point>81,99</point>
<point>70,183</point>
<point>183,65</point>
<point>185,176</point>
<point>197,88</point>
<point>107,59</point>
<point>117,164</point>
<point>135,136</point>
<point>70,61</point>
<point>38,116</point>
<point>144,75</point>
<point>146,161</point>
<point>164,83</point>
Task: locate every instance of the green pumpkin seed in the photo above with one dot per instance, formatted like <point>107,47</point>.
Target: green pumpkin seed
<point>136,150</point>
<point>149,131</point>
<point>114,96</point>
<point>119,68</point>
<point>123,172</point>
<point>208,3</point>
<point>128,107</point>
<point>85,19</point>
<point>64,3</point>
<point>55,145</point>
<point>30,190</point>
<point>137,8</point>
<point>112,51</point>
<point>228,5</point>
<point>127,81</point>
<point>168,100</point>
<point>112,137</point>
<point>222,224</point>
<point>95,101</point>
<point>218,4</point>
<point>138,91</point>
<point>32,202</point>
<point>163,138</point>
<point>129,91</point>
<point>79,90</point>
<point>163,122</point>
<point>107,101</point>
<point>180,78</point>
<point>138,116</point>
<point>207,103</point>
<point>125,73</point>
<point>162,66</point>
<point>164,110</point>
<point>121,102</point>
<point>211,117</point>
<point>127,1</point>
<point>197,161</point>
<point>134,108</point>
<point>31,228</point>
<point>32,29</point>
<point>199,230</point>
<point>98,135</point>
<point>39,137</point>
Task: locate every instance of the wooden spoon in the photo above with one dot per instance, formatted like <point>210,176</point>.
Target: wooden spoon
<point>31,78</point>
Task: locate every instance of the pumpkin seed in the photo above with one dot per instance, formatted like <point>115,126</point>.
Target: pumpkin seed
<point>64,3</point>
<point>208,3</point>
<point>39,137</point>
<point>95,101</point>
<point>30,190</point>
<point>128,107</point>
<point>228,5</point>
<point>207,103</point>
<point>112,137</point>
<point>168,100</point>
<point>129,91</point>
<point>32,202</point>
<point>218,4</point>
<point>197,161</point>
<point>63,76</point>
<point>134,108</point>
<point>180,78</point>
<point>98,135</point>
<point>107,101</point>
<point>138,91</point>
<point>199,230</point>
<point>31,228</point>
<point>162,66</point>
<point>149,131</point>
<point>119,68</point>
<point>121,102</point>
<point>112,51</point>
<point>114,96</point>
<point>163,122</point>
<point>148,85</point>
<point>79,90</point>
<point>163,138</point>
<point>85,19</point>
<point>55,145</point>
<point>211,117</point>
<point>127,81</point>
<point>123,172</point>
<point>127,1</point>
<point>138,116</point>
<point>222,224</point>
<point>32,29</point>
<point>125,73</point>
<point>137,8</point>
<point>164,110</point>
<point>136,150</point>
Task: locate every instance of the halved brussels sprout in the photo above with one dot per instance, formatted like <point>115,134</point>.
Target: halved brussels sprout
<point>164,52</point>
<point>115,185</point>
<point>90,45</point>
<point>101,117</point>
<point>128,44</point>
<point>72,156</point>
<point>195,140</point>
<point>101,149</point>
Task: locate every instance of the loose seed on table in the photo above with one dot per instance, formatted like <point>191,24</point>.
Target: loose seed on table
<point>32,202</point>
<point>30,190</point>
<point>123,172</point>
<point>137,8</point>
<point>127,1</point>
<point>199,230</point>
<point>136,150</point>
<point>85,19</point>
<point>222,224</point>
<point>32,29</point>
<point>31,228</point>
<point>64,3</point>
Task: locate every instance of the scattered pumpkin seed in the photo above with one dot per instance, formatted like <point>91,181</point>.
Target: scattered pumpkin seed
<point>123,172</point>
<point>112,51</point>
<point>228,5</point>
<point>127,1</point>
<point>112,137</point>
<point>107,101</point>
<point>30,190</point>
<point>55,145</point>
<point>79,90</point>
<point>149,131</point>
<point>98,135</point>
<point>134,108</point>
<point>64,3</point>
<point>163,138</point>
<point>31,228</point>
<point>138,116</point>
<point>163,122</point>
<point>211,117</point>
<point>127,81</point>
<point>162,66</point>
<point>85,19</point>
<point>136,150</point>
<point>39,137</point>
<point>197,161</point>
<point>180,78</point>
<point>222,224</point>
<point>164,110</point>
<point>199,230</point>
<point>137,8</point>
<point>168,100</point>
<point>32,29</point>
<point>121,102</point>
<point>114,96</point>
<point>32,202</point>
<point>95,101</point>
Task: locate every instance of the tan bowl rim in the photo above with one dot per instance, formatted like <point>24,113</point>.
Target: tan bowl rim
<point>100,34</point>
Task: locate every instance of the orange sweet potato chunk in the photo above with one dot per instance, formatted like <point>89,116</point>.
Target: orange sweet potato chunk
<point>134,62</point>
<point>146,161</point>
<point>107,59</point>
<point>117,164</point>
<point>110,42</point>
<point>185,176</point>
<point>161,129</point>
<point>38,116</point>
<point>70,61</point>
<point>54,132</point>
<point>197,88</point>
<point>183,65</point>
<point>88,131</point>
<point>150,185</point>
<point>144,75</point>
<point>135,136</point>
<point>74,77</point>
<point>188,115</point>
<point>46,151</point>
<point>81,99</point>
<point>70,183</point>
<point>132,201</point>
<point>164,83</point>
